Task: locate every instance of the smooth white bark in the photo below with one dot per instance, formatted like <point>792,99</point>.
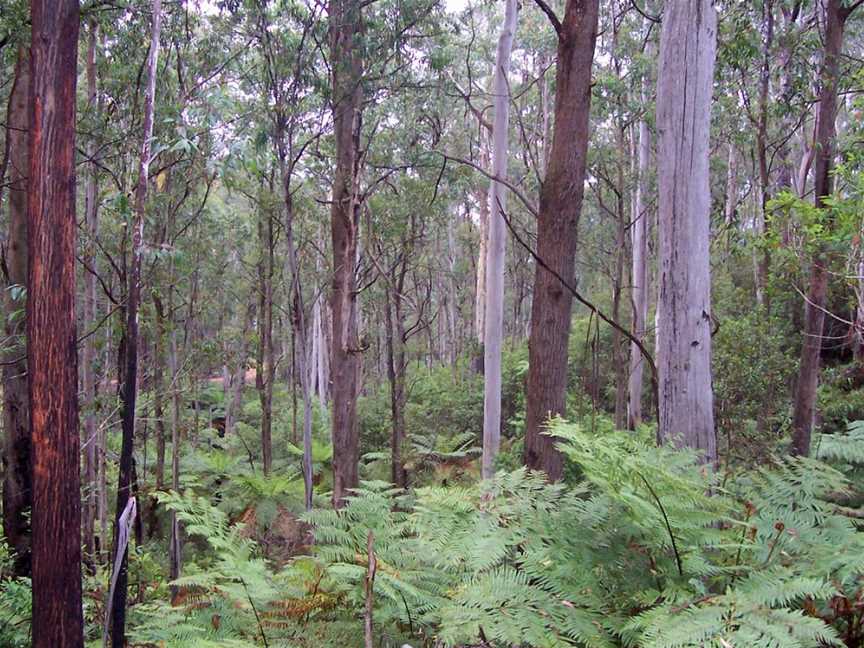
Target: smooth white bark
<point>495,260</point>
<point>639,234</point>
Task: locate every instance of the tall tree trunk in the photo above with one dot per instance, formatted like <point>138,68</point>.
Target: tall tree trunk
<point>158,389</point>
<point>494,326</point>
<point>858,329</point>
<point>788,42</point>
<point>684,84</point>
<point>319,352</point>
<point>234,405</point>
<point>17,469</point>
<point>483,251</point>
<point>395,340</point>
<point>347,71</point>
<point>817,293</point>
<point>57,619</point>
<point>129,392</point>
<point>618,355</point>
<point>265,370</point>
<point>298,320</point>
<point>102,459</point>
<point>300,346</point>
<point>88,358</point>
<point>763,259</point>
<point>557,225</point>
<point>174,546</point>
<point>639,276</point>
<point>451,298</point>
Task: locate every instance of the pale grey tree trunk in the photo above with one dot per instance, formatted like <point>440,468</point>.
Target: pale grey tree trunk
<point>482,254</point>
<point>495,253</point>
<point>452,288</point>
<point>318,344</point>
<point>639,278</point>
<point>684,85</point>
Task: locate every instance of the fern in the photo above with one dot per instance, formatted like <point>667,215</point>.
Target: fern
<point>649,550</point>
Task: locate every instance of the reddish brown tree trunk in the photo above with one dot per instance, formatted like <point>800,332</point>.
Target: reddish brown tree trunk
<point>345,27</point>
<point>817,293</point>
<point>560,208</point>
<point>52,359</point>
<point>17,488</point>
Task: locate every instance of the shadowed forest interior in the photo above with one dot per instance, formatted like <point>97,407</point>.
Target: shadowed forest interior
<point>432,323</point>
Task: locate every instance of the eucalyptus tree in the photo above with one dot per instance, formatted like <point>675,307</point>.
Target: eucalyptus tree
<point>558,219</point>
<point>295,112</point>
<point>52,359</point>
<point>17,452</point>
<point>346,56</point>
<point>93,443</point>
<point>684,89</point>
<point>639,275</point>
<point>129,391</point>
<point>494,307</point>
<point>837,14</point>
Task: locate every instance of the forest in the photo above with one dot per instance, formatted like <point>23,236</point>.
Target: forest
<point>432,323</point>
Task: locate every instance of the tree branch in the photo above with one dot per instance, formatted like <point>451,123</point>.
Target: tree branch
<point>550,14</point>
<point>642,350</point>
<point>522,198</point>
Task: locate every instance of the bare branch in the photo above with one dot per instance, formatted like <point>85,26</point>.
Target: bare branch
<point>550,14</point>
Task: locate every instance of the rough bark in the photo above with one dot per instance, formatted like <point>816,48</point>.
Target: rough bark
<point>684,85</point>
<point>347,70</point>
<point>557,236</point>
<point>57,619</point>
<point>817,292</point>
<point>129,391</point>
<point>17,487</point>
<point>494,310</point>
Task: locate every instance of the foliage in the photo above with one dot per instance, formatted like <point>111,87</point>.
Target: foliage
<point>648,551</point>
<point>753,372</point>
<point>15,598</point>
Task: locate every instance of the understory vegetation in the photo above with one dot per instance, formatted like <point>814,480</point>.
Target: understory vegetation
<point>640,546</point>
<point>432,323</point>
